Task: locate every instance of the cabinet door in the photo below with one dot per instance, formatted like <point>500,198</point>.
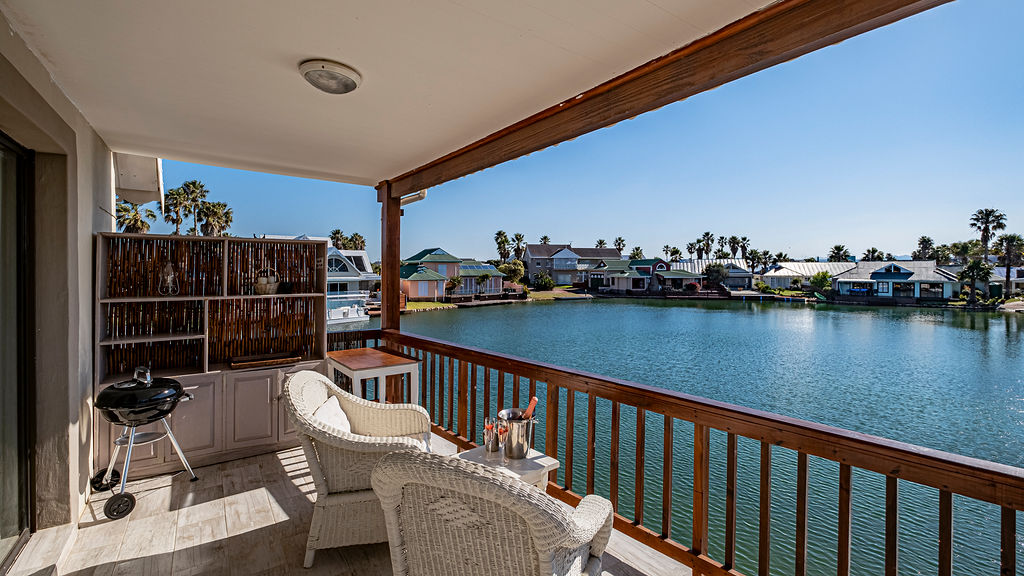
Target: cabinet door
<point>198,424</point>
<point>250,406</point>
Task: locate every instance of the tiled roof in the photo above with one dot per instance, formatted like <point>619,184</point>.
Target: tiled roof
<point>677,274</point>
<point>545,250</point>
<point>698,266</point>
<point>603,253</point>
<point>916,271</point>
<point>433,255</point>
<point>808,269</point>
<point>416,272</point>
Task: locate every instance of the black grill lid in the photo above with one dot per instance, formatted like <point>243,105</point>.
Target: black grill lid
<point>141,390</point>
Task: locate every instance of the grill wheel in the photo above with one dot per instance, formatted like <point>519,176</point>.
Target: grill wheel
<point>119,506</point>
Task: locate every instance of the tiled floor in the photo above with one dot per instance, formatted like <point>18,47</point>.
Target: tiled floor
<point>249,516</point>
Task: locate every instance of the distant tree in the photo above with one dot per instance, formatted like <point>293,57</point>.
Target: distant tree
<point>518,245</point>
<point>810,259</point>
<point>872,255</point>
<point>889,257</point>
<point>734,245</point>
<point>721,254</point>
<point>481,282</point>
<point>545,239</point>
<point>338,239</point>
<point>780,257</point>
<point>513,270</point>
<point>195,194</point>
<point>543,282</point>
<point>667,250</point>
<point>963,251</point>
<point>744,246</point>
<point>376,267</point>
<point>925,249</point>
<point>1010,247</point>
<point>132,219</point>
<point>691,247</point>
<point>636,254</point>
<point>216,218</point>
<point>502,242</point>
<point>715,274</point>
<point>838,253</point>
<point>356,242</point>
<point>796,283</point>
<point>986,221</point>
<point>675,254</point>
<point>942,254</point>
<point>175,207</point>
<point>708,240</point>
<point>699,247</point>
<point>601,243</point>
<point>821,281</point>
<point>619,244</point>
<point>974,272</point>
<point>453,284</point>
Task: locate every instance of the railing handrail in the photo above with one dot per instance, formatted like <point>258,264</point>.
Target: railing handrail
<point>984,480</point>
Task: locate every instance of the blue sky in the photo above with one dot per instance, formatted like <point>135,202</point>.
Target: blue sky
<point>900,132</point>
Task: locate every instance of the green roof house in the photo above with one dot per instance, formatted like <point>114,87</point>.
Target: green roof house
<point>421,283</point>
<point>438,260</point>
<point>473,271</point>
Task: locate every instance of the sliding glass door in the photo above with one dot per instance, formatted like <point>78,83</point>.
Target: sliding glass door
<point>14,503</point>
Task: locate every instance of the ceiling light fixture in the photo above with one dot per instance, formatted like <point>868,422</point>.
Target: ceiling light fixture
<point>329,76</point>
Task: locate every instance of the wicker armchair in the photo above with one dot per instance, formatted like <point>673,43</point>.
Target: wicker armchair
<point>347,511</point>
<point>448,517</point>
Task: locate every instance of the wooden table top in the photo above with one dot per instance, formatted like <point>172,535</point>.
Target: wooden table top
<point>369,358</point>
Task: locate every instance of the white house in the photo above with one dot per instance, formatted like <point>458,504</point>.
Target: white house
<point>908,280</point>
<point>782,274</point>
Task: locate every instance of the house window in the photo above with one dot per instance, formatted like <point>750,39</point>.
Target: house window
<point>442,269</point>
<point>336,265</point>
<point>422,289</point>
<point>883,287</point>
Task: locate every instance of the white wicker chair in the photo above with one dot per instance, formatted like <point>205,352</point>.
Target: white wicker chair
<point>347,511</point>
<point>449,517</point>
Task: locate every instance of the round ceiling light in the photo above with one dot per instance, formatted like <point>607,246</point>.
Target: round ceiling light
<point>331,77</point>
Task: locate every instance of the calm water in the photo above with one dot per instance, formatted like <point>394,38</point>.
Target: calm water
<point>939,378</point>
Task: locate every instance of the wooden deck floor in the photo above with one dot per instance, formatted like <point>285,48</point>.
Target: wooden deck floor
<point>251,516</point>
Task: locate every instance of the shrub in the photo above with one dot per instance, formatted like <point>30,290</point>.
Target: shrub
<point>543,282</point>
<point>691,287</point>
<point>715,274</point>
<point>821,281</point>
<point>763,288</point>
<point>513,270</point>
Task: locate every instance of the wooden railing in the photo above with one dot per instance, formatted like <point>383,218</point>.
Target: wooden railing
<point>461,385</point>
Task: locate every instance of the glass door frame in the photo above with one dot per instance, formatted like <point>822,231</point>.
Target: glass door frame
<point>25,294</point>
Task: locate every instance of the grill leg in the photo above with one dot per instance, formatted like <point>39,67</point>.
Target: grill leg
<point>113,459</point>
<point>181,455</point>
<point>127,457</point>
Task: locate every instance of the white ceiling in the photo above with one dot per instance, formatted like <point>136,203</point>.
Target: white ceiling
<point>216,82</point>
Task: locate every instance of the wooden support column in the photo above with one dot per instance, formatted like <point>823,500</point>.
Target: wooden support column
<point>390,256</point>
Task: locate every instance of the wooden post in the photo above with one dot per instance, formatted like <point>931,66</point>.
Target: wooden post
<point>390,256</point>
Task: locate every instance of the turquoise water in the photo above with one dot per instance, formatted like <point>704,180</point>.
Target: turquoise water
<point>943,379</point>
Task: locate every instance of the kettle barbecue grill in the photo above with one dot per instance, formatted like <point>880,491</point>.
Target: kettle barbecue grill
<point>132,403</point>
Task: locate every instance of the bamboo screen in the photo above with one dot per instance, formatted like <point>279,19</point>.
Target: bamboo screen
<point>139,319</point>
<point>296,264</point>
<point>263,326</point>
<point>186,355</point>
<point>134,266</point>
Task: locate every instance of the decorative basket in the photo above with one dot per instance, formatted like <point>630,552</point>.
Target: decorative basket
<point>267,281</point>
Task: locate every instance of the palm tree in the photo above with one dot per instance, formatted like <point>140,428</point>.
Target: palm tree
<point>667,250</point>
<point>707,239</point>
<point>545,239</point>
<point>699,247</point>
<point>925,249</point>
<point>962,251</point>
<point>675,254</point>
<point>216,218</point>
<point>734,245</point>
<point>1010,246</point>
<point>131,219</point>
<point>195,194</point>
<point>356,241</point>
<point>975,271</point>
<point>619,244</point>
<point>601,243</point>
<point>942,254</point>
<point>519,245</point>
<point>986,221</point>
<point>501,239</point>
<point>691,247</point>
<point>338,239</point>
<point>175,203</point>
<point>722,241</point>
<point>721,254</point>
<point>838,253</point>
<point>636,254</point>
<point>744,246</point>
<point>872,255</point>
<point>453,284</point>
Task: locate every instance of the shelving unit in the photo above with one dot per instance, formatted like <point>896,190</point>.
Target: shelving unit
<point>216,314</point>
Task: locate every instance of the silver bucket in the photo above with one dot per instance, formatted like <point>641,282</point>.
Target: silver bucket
<point>520,432</point>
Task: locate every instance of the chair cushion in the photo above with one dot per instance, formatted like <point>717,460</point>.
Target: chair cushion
<point>331,414</point>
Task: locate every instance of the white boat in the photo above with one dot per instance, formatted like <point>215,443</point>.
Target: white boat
<point>349,281</point>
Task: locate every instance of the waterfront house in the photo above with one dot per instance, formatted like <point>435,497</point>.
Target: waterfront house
<point>627,276</point>
<point>782,275</point>
<point>565,264</point>
<point>438,260</point>
<point>421,283</point>
<point>90,92</point>
<point>903,281</point>
<point>471,271</point>
<point>739,277</point>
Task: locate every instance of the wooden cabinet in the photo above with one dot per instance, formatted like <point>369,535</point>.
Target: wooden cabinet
<point>251,408</point>
<point>198,424</point>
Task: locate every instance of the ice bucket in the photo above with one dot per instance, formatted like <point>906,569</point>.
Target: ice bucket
<point>520,432</point>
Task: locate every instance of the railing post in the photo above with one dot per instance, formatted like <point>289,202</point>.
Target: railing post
<point>391,258</point>
<point>551,427</point>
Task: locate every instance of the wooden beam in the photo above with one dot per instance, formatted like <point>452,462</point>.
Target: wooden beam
<point>780,32</point>
<point>390,257</point>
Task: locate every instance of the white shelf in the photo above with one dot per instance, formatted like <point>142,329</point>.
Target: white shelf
<point>164,337</point>
<point>134,299</point>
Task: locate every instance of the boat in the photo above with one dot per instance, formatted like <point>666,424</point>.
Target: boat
<point>350,279</point>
